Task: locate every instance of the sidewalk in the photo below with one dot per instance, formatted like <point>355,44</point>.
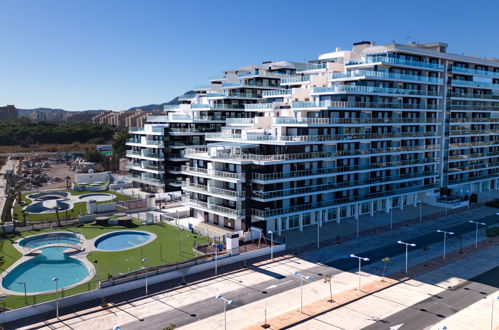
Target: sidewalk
<point>344,298</point>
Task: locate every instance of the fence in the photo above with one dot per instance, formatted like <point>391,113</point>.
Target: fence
<point>155,275</point>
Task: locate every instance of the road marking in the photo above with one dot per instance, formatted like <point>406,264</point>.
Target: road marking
<point>273,286</point>
<point>396,327</point>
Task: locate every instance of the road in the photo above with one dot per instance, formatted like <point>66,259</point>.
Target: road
<point>443,304</point>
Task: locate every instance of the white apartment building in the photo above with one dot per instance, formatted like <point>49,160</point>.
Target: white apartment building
<point>353,132</point>
<point>156,155</point>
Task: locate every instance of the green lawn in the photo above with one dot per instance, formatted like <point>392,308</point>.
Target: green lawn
<point>80,208</point>
<point>164,249</point>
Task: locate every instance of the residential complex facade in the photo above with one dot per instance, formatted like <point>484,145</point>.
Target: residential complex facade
<point>353,132</point>
<point>8,112</point>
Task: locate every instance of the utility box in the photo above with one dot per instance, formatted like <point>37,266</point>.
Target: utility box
<point>232,243</point>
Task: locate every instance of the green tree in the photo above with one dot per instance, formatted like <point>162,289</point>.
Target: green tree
<point>386,260</point>
<point>328,278</point>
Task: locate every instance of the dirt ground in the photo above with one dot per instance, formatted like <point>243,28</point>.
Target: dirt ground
<point>60,170</point>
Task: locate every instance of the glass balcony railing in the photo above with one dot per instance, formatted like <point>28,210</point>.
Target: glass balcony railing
<point>212,207</point>
<point>270,212</point>
<point>374,105</point>
<point>231,121</point>
<point>493,74</point>
<point>279,92</point>
<point>130,153</point>
<point>135,129</point>
<point>210,172</point>
<point>133,141</point>
<point>334,121</point>
<point>340,185</point>
<point>397,61</point>
<point>258,106</point>
<point>294,80</point>
<point>160,119</point>
<point>213,190</point>
<point>474,84</point>
<point>385,75</point>
<point>486,97</point>
<point>146,179</point>
<point>372,90</point>
<point>203,153</point>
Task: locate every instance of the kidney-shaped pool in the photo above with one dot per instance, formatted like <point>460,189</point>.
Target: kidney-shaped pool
<point>122,240</point>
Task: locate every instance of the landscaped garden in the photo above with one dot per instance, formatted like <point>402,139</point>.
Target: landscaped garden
<point>164,249</point>
<point>79,208</point>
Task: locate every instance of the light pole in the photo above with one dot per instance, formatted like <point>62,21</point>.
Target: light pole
<point>25,294</point>
<point>492,313</point>
<point>420,210</point>
<point>55,279</point>
<point>144,260</point>
<point>271,245</point>
<point>226,302</point>
<point>476,230</point>
<point>302,277</point>
<point>216,257</point>
<point>360,260</point>
<point>445,236</point>
<point>406,251</point>
<point>357,227</point>
<point>445,198</point>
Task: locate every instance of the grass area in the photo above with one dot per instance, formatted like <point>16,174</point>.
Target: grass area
<point>80,208</point>
<point>163,250</point>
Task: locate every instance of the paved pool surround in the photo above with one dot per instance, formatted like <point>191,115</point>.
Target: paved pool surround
<point>45,201</point>
<point>66,257</point>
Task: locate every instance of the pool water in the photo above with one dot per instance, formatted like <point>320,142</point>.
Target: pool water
<point>44,239</point>
<point>97,197</point>
<point>38,272</point>
<point>122,240</point>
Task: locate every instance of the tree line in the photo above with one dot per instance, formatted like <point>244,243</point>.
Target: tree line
<point>24,131</point>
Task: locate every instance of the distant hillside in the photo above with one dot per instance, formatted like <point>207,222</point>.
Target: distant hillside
<point>61,112</point>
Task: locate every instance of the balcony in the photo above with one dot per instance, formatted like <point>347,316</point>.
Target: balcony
<point>133,141</point>
<point>485,97</point>
<point>372,90</point>
<point>385,75</point>
<point>474,84</point>
<point>146,180</point>
<point>240,121</point>
<point>258,106</point>
<point>397,61</point>
<point>341,121</point>
<point>203,153</point>
<point>456,69</point>
<point>295,80</point>
<point>277,93</point>
<point>212,173</point>
<point>212,190</point>
<point>158,119</point>
<point>364,105</point>
<point>337,202</point>
<point>212,207</point>
<point>339,185</point>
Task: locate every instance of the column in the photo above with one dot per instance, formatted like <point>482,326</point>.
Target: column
<point>338,214</point>
<point>388,205</point>
<point>279,226</point>
<point>301,222</point>
<point>371,209</point>
<point>357,211</point>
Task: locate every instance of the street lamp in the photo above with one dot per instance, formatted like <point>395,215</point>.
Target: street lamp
<point>144,260</point>
<point>445,236</point>
<point>55,279</point>
<point>226,302</point>
<point>302,277</point>
<point>420,210</point>
<point>360,260</point>
<point>406,251</point>
<point>25,294</point>
<point>271,245</point>
<point>216,256</point>
<point>476,230</point>
<point>492,314</point>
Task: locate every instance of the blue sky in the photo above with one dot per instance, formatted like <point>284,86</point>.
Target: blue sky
<point>115,54</point>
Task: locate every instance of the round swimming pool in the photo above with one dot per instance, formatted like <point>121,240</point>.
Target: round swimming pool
<point>122,240</point>
<point>47,206</point>
<point>97,197</point>
<point>48,195</point>
<point>38,272</point>
<point>49,238</point>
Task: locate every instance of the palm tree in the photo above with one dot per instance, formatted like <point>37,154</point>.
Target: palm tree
<point>56,208</point>
<point>386,260</point>
<point>426,250</point>
<point>328,279</point>
<point>68,180</point>
<point>24,214</point>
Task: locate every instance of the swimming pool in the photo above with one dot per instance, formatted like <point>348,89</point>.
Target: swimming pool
<point>122,240</point>
<point>47,206</point>
<point>97,197</point>
<point>49,238</point>
<point>38,272</point>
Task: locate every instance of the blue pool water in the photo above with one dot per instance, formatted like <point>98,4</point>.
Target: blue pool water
<point>121,240</point>
<point>44,239</point>
<point>38,272</point>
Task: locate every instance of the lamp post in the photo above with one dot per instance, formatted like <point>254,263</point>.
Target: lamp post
<point>445,197</point>
<point>144,260</point>
<point>358,227</point>
<point>492,313</point>
<point>476,230</point>
<point>420,210</point>
<point>406,251</point>
<point>360,260</point>
<point>216,257</point>
<point>302,277</point>
<point>25,293</point>
<point>226,302</point>
<point>445,236</point>
<point>271,245</point>
<point>55,280</point>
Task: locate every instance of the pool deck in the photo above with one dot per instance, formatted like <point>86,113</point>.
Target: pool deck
<point>68,198</point>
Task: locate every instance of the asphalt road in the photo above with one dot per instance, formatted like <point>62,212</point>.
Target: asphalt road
<point>245,295</point>
<point>443,304</point>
